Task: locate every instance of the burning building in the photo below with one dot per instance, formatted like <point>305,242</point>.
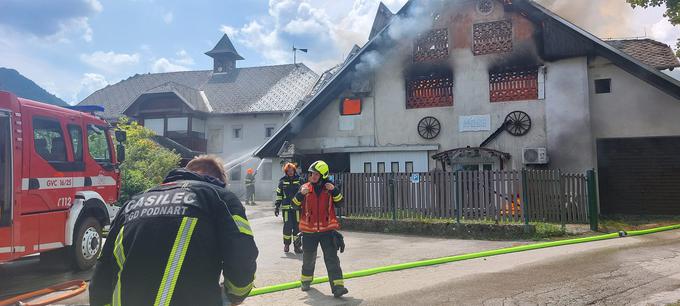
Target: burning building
<point>227,110</point>
<point>490,85</point>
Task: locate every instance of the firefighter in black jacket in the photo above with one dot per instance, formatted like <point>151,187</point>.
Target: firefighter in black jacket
<point>289,185</point>
<point>168,245</point>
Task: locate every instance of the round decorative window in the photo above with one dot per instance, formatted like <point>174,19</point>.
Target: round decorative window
<point>485,7</point>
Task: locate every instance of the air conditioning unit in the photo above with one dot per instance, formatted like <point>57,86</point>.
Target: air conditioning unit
<point>535,156</point>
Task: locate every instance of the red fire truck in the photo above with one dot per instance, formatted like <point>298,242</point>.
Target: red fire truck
<point>59,179</point>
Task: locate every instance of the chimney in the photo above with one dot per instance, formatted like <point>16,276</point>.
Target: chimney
<point>224,55</point>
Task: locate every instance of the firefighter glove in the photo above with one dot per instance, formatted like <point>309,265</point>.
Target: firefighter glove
<point>276,211</point>
<point>338,241</point>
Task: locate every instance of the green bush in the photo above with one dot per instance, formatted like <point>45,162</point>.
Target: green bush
<point>146,162</point>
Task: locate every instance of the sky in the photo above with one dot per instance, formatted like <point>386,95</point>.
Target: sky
<point>74,47</point>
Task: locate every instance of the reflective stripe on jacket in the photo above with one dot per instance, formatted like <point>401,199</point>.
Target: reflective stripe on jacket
<point>286,190</point>
<point>318,209</point>
<point>168,245</point>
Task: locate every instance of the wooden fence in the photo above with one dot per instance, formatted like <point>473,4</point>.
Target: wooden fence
<point>495,196</point>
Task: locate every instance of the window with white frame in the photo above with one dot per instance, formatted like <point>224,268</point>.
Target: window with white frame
<point>409,167</point>
<point>178,126</point>
<point>395,167</point>
<point>157,125</point>
<point>367,168</point>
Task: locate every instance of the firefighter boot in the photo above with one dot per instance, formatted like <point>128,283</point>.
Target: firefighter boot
<point>339,291</point>
<point>305,286</point>
<point>286,248</point>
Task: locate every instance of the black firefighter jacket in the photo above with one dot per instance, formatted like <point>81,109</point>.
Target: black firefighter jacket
<point>168,245</point>
<point>288,187</point>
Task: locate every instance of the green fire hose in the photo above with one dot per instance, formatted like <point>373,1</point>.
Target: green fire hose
<point>442,260</point>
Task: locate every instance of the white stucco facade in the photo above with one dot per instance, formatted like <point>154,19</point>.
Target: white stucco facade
<point>567,118</point>
<point>235,149</point>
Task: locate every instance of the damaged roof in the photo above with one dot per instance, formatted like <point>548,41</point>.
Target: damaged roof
<point>648,51</point>
<point>555,30</point>
<point>242,90</point>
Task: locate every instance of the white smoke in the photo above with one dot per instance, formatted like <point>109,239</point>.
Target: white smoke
<point>417,19</point>
<point>604,18</point>
<point>368,62</point>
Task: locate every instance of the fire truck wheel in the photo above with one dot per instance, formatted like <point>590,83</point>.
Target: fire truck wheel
<point>87,243</point>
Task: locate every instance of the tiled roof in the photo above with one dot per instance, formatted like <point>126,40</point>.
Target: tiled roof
<point>648,51</point>
<point>242,90</point>
<point>259,89</point>
<point>190,95</point>
<point>224,46</point>
<point>115,98</point>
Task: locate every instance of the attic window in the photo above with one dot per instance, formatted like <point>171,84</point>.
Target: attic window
<point>603,86</point>
<point>492,37</point>
<point>350,106</point>
<point>434,90</point>
<point>433,45</point>
<point>514,84</point>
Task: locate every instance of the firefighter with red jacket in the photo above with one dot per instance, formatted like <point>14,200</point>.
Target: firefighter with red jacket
<point>289,185</point>
<point>318,224</point>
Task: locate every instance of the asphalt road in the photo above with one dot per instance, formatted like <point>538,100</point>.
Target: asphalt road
<point>364,250</point>
<point>641,270</point>
<point>626,271</point>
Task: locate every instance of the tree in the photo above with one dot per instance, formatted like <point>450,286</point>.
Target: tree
<point>146,162</point>
<point>672,12</point>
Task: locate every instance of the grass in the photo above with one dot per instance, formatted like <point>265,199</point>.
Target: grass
<point>543,231</point>
<point>404,215</point>
<point>548,231</point>
<point>615,223</point>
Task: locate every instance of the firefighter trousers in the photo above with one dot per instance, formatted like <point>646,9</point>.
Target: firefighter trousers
<point>250,194</point>
<point>310,243</point>
<point>291,219</point>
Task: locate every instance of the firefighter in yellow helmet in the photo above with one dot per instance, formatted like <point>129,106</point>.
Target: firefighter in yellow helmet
<point>318,199</point>
<point>289,185</point>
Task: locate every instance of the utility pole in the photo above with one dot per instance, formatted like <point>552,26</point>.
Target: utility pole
<point>295,53</point>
